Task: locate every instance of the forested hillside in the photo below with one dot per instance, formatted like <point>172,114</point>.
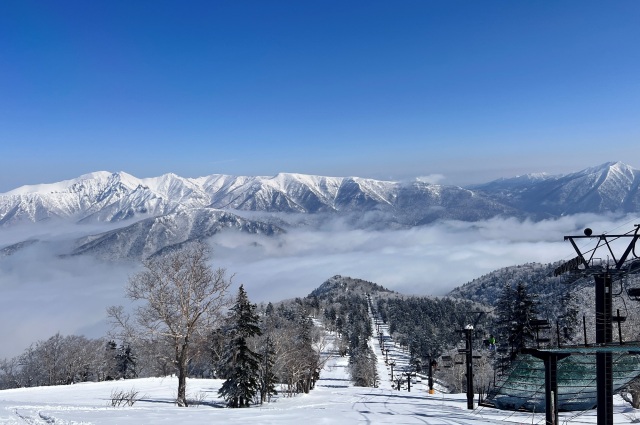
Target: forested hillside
<point>280,347</point>
<point>426,327</point>
<point>539,280</point>
<point>503,306</point>
<point>567,300</point>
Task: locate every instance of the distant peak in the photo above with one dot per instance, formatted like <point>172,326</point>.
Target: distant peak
<point>96,175</point>
<point>339,284</point>
<point>612,164</point>
<point>620,165</point>
<point>534,176</point>
<point>606,167</point>
<point>61,186</point>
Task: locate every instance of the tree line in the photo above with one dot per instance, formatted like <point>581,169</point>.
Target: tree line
<point>183,321</point>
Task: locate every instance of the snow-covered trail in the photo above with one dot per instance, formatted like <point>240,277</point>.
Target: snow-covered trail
<point>334,401</point>
<point>383,405</point>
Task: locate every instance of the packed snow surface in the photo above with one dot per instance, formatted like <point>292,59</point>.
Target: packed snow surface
<point>333,401</point>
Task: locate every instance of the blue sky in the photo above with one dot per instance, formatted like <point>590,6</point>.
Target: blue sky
<point>470,90</point>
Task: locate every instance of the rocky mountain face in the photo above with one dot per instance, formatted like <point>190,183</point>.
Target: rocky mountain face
<point>152,235</point>
<point>610,187</point>
<point>154,213</point>
<point>111,197</point>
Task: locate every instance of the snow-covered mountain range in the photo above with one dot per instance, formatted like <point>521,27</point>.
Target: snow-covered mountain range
<point>610,187</point>
<point>110,197</point>
<point>150,214</point>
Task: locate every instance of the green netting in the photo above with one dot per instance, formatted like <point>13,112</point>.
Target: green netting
<point>522,387</point>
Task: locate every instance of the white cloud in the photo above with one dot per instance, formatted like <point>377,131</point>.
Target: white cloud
<point>429,260</point>
<point>431,178</point>
<point>44,294</point>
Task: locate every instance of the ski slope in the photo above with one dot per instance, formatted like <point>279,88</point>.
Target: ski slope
<point>333,401</point>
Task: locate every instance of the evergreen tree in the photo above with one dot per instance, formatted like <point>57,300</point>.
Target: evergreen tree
<point>515,308</point>
<point>126,362</point>
<point>269,310</point>
<point>504,316</point>
<point>306,354</point>
<point>362,366</point>
<point>267,375</point>
<point>110,363</point>
<point>120,362</point>
<point>242,383</point>
<point>569,318</point>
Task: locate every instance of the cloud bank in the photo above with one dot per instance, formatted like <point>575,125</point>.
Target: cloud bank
<point>428,260</point>
<point>43,294</point>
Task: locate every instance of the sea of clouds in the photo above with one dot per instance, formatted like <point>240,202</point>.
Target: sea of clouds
<point>45,291</point>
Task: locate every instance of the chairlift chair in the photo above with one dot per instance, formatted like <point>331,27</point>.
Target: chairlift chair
<point>634,293</point>
<point>447,362</point>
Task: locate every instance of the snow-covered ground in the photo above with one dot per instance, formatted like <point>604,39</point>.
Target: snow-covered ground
<point>334,401</point>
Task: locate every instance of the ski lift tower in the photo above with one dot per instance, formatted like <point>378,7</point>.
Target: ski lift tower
<point>604,273</point>
<point>468,351</point>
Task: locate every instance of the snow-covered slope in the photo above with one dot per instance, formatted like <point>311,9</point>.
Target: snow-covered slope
<point>333,401</point>
<point>610,187</point>
<point>162,211</point>
<point>100,196</point>
<point>112,197</point>
<point>338,285</point>
<point>150,236</point>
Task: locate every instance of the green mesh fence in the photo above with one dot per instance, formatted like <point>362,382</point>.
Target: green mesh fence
<point>522,386</point>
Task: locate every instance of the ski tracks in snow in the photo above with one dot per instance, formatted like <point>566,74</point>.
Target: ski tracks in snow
<point>34,416</point>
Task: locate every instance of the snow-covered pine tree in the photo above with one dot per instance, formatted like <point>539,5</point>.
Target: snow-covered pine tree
<point>362,366</point>
<point>110,368</point>
<point>269,310</point>
<point>120,362</point>
<point>515,308</point>
<point>126,362</point>
<point>307,358</point>
<point>569,319</point>
<point>267,376</point>
<point>243,364</point>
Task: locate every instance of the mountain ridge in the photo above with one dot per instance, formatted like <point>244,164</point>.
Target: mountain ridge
<point>105,197</point>
<point>609,187</point>
<point>148,237</point>
<point>163,211</point>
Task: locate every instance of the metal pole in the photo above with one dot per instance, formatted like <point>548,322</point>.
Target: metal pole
<point>619,320</point>
<point>550,382</point>
<point>604,363</point>
<point>469,369</point>
<point>431,364</point>
<point>551,393</point>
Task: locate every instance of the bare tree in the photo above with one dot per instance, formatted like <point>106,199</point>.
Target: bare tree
<point>10,376</point>
<point>179,297</point>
